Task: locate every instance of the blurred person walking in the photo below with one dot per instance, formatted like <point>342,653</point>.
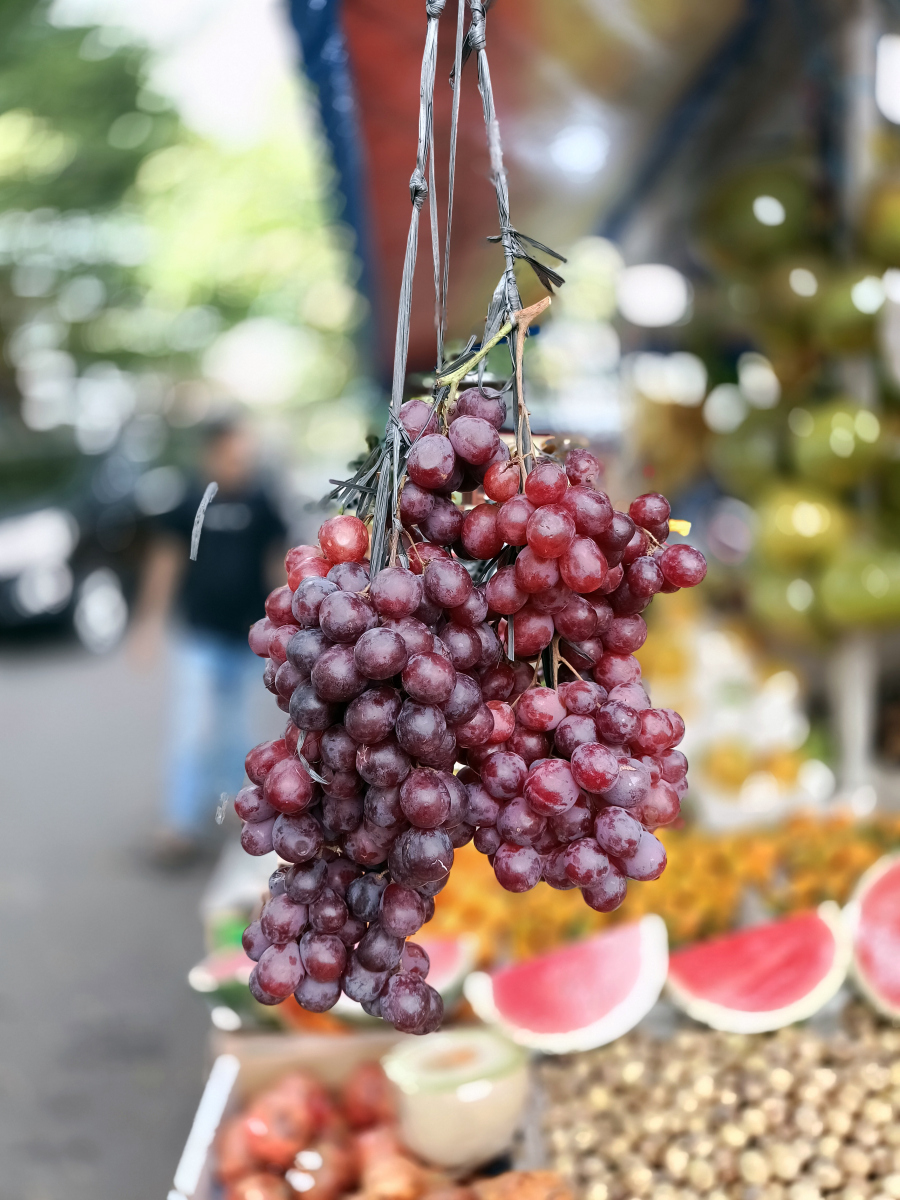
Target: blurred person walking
<point>217,598</point>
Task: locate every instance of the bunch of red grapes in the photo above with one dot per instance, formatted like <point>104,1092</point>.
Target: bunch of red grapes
<point>412,733</point>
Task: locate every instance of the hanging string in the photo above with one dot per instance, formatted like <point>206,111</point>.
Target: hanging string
<point>386,496</point>
<point>455,80</point>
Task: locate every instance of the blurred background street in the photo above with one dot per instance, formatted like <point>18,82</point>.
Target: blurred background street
<point>101,1041</point>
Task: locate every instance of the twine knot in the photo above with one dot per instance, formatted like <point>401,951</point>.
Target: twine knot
<point>418,188</point>
<point>434,8</point>
<point>476,34</point>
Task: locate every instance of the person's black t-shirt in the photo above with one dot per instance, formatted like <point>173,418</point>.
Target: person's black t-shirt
<point>225,589</point>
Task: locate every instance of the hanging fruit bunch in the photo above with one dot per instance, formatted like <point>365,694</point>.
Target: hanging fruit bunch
<point>456,672</point>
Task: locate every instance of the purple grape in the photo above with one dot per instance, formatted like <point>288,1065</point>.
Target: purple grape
<point>424,800</point>
<point>328,912</point>
<point>308,599</point>
<point>380,654</point>
<point>254,941</point>
<point>384,764</point>
<point>402,911</point>
<point>518,868</point>
<point>257,838</point>
<point>338,749</point>
<point>308,710</point>
<point>606,895</point>
<point>280,970</point>
<point>306,882</point>
<point>420,729</point>
<point>304,648</point>
<point>464,701</point>
<point>361,984</point>
<point>364,896</point>
<point>297,839</point>
<point>260,994</point>
<point>324,956</point>
<point>617,832</point>
<point>405,1003</point>
<point>379,950</point>
<point>282,920</point>
<point>317,995</point>
<point>335,676</point>
<point>503,775</point>
<point>415,960</point>
<point>371,717</point>
<point>519,824</point>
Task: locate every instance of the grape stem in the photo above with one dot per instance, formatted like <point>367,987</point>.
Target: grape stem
<point>522,319</point>
<point>453,378</point>
<point>566,663</point>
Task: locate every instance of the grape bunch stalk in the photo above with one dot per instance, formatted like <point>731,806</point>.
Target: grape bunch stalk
<point>480,687</point>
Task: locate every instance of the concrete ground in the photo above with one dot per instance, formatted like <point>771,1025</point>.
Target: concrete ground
<point>102,1044</point>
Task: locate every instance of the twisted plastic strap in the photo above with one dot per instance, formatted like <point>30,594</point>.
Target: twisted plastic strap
<point>386,494</point>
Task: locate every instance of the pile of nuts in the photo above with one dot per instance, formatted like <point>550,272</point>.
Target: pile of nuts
<point>785,1116</point>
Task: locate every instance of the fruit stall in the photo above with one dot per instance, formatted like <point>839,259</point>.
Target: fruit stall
<point>472,947</point>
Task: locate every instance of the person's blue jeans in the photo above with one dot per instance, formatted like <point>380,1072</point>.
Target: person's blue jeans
<point>210,731</point>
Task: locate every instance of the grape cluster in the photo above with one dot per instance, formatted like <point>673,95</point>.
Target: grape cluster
<point>392,682</point>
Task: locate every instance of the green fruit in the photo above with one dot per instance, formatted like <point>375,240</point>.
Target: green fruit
<point>800,526</point>
<point>837,444</point>
<point>837,324</point>
<point>734,224</point>
<point>786,602</point>
<point>881,223</point>
<point>862,587</point>
<point>745,462</point>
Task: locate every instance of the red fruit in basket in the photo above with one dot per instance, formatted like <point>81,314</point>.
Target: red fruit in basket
<point>444,522</point>
<point>431,461</point>
<point>532,631</point>
<point>512,520</point>
<point>279,969</point>
<point>288,787</point>
<point>540,708</point>
<point>367,1098</point>
<point>650,509</point>
<point>344,539</point>
<point>474,439</point>
<point>447,583</point>
<point>518,868</point>
<point>551,787</point>
<point>416,416</point>
<point>258,1187</point>
<point>487,404</point>
<point>262,758</point>
<point>583,565</point>
<point>682,566</point>
<point>501,481</point>
<point>582,468</point>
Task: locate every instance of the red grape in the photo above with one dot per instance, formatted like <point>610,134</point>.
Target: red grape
<point>504,595</point>
<point>540,708</point>
<point>501,481</point>
<point>431,461</point>
<point>551,787</point>
<point>512,520</point>
<point>518,868</point>
<point>485,403</point>
<point>481,534</point>
<point>534,573</point>
<point>582,468</point>
<point>682,566</point>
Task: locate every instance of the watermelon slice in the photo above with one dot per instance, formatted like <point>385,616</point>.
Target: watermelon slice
<point>765,977</point>
<point>873,917</point>
<point>581,996</point>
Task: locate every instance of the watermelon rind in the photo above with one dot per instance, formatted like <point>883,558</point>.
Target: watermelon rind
<point>852,916</point>
<point>733,1020</point>
<point>620,1019</point>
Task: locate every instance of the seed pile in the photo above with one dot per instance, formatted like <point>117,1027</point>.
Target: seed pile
<point>787,1116</point>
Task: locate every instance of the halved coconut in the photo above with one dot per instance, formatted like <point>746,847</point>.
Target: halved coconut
<point>873,918</point>
<point>765,977</point>
<point>580,996</point>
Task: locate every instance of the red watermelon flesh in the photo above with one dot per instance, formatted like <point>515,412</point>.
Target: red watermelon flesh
<point>573,987</point>
<point>450,959</point>
<point>877,935</point>
<point>764,977</point>
<point>580,996</point>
